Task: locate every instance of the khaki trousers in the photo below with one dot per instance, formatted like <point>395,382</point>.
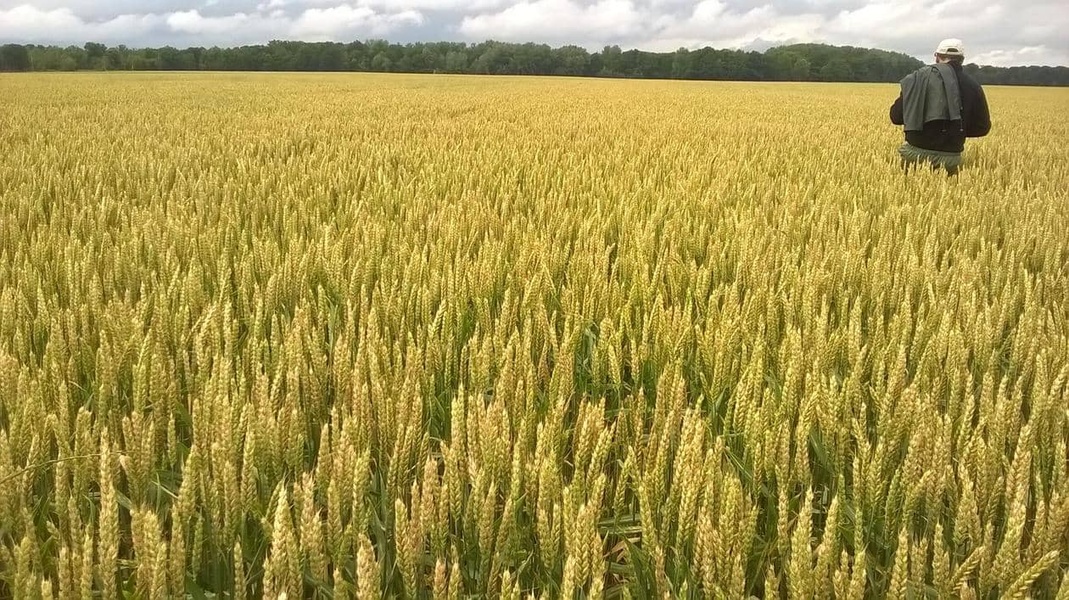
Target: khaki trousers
<point>913,156</point>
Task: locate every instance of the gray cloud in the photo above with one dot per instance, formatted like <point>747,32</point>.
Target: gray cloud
<point>1002,32</point>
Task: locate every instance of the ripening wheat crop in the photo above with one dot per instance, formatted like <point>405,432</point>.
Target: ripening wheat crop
<point>407,337</point>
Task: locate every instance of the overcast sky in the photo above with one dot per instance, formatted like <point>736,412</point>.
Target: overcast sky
<point>995,32</point>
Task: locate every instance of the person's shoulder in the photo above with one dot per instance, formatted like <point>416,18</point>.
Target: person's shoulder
<point>962,72</point>
<point>917,73</point>
<point>968,79</point>
<point>925,70</point>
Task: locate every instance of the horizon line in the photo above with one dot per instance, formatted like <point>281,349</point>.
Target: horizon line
<point>368,40</point>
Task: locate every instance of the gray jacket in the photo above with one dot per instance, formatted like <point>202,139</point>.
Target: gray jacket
<point>930,93</point>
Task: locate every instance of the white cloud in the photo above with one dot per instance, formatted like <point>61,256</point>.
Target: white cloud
<point>191,21</point>
<point>1000,32</point>
<point>340,21</point>
<point>27,23</point>
<point>31,20</point>
<point>876,17</point>
<point>712,24</point>
<point>1028,55</point>
<point>556,20</point>
<point>435,5</point>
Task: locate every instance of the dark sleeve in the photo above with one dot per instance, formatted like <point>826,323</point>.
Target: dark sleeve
<point>978,123</point>
<point>896,111</point>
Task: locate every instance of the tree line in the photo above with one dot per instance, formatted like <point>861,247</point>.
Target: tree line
<point>796,62</point>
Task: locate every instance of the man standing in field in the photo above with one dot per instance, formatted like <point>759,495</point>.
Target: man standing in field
<point>939,106</point>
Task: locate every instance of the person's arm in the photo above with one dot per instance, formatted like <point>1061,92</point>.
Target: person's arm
<point>979,122</point>
<point>896,111</point>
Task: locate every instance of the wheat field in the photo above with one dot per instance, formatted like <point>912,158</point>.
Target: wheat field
<point>383,336</point>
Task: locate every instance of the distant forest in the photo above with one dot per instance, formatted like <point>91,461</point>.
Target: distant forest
<point>797,62</point>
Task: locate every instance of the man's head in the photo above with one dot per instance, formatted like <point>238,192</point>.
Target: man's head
<point>950,50</point>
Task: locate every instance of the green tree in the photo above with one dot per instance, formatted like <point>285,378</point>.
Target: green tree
<point>14,57</point>
<point>571,60</point>
<point>682,63</point>
<point>381,62</point>
<point>114,59</point>
<point>94,54</point>
<point>836,69</point>
<point>491,58</point>
<point>781,63</point>
<point>611,59</point>
<point>456,61</point>
<point>801,62</point>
